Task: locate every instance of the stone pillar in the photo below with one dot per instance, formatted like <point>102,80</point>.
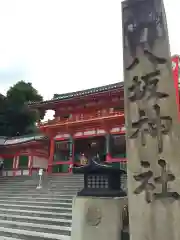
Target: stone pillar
<point>97,218</point>
<point>152,127</point>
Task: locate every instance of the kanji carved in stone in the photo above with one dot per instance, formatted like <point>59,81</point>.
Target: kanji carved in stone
<point>155,127</point>
<point>145,185</point>
<point>164,179</point>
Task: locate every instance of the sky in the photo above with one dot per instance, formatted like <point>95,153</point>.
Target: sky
<point>66,45</point>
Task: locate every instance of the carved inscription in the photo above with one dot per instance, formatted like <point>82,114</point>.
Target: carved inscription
<point>152,58</point>
<point>144,29</point>
<point>155,127</point>
<point>144,93</point>
<point>148,182</point>
<point>163,179</point>
<point>145,88</point>
<point>143,26</point>
<point>145,186</point>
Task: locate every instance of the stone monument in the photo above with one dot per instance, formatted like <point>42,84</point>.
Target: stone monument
<point>153,131</point>
<point>98,208</point>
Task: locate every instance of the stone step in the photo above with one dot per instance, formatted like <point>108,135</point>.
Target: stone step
<point>66,180</point>
<point>28,213</point>
<point>30,235</point>
<point>17,177</point>
<point>45,174</point>
<point>40,191</point>
<point>37,194</point>
<point>55,229</point>
<point>24,178</point>
<point>68,185</point>
<point>18,184</point>
<point>39,199</point>
<point>32,219</point>
<point>65,189</point>
<point>36,213</point>
<point>76,176</point>
<point>42,194</point>
<point>4,188</point>
<point>42,208</point>
<point>65,184</point>
<point>46,182</point>
<point>50,194</point>
<point>37,191</point>
<point>44,188</point>
<point>8,238</point>
<point>21,179</point>
<point>37,204</point>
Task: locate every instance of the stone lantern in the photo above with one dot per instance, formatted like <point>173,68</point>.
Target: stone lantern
<point>98,208</point>
<point>100,179</point>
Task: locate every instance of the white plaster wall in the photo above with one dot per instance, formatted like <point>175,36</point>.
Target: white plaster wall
<point>40,162</point>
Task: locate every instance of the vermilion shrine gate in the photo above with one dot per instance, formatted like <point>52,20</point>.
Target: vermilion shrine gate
<point>86,123</point>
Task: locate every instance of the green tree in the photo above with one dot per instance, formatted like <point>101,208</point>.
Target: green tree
<point>15,116</point>
<point>3,123</point>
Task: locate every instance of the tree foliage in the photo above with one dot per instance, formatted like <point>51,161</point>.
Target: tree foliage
<point>15,116</point>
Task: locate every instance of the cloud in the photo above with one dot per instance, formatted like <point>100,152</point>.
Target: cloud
<point>12,73</point>
<point>63,46</point>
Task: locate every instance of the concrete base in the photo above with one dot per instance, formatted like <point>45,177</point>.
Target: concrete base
<point>97,218</point>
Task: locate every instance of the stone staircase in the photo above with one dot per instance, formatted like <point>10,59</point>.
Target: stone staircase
<point>29,213</point>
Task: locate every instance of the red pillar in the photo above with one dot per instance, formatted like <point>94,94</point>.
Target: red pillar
<point>72,160</point>
<point>15,164</point>
<point>30,163</point>
<point>108,156</point>
<point>51,155</point>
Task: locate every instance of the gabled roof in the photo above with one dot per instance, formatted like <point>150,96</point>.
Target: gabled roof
<point>4,141</point>
<point>88,91</point>
<point>83,93</point>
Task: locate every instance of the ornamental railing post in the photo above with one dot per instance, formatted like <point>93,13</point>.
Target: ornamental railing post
<point>40,173</point>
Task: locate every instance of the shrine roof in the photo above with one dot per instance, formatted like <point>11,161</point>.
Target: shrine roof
<point>83,93</point>
<point>5,141</point>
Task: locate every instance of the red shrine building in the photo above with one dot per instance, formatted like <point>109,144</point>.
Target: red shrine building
<point>23,155</point>
<point>86,123</point>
